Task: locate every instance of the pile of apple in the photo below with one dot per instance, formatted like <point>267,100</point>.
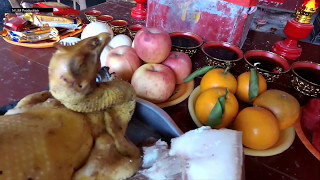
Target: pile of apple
<point>147,63</point>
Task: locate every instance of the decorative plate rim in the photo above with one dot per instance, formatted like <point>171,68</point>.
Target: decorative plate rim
<point>305,140</point>
<point>186,87</point>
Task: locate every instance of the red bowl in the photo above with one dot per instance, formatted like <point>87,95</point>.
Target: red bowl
<point>221,53</point>
<point>119,26</point>
<point>118,23</point>
<point>186,42</point>
<point>306,78</point>
<point>92,15</point>
<point>268,64</point>
<point>133,29</point>
<point>105,18</point>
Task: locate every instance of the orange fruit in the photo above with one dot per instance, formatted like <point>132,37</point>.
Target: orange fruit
<point>217,78</point>
<point>207,100</point>
<point>260,128</point>
<point>283,105</point>
<point>243,86</point>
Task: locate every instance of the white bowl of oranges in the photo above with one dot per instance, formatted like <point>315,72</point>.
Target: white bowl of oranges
<point>266,117</point>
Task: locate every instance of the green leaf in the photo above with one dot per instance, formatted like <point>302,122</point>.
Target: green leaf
<point>253,84</point>
<point>217,112</point>
<point>198,72</point>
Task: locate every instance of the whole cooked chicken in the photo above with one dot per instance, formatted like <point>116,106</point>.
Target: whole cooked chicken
<point>76,130</point>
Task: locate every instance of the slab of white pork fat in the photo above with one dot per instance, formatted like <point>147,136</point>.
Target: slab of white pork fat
<point>210,153</point>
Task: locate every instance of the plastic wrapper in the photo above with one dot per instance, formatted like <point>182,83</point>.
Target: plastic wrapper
<point>8,17</point>
<point>14,22</point>
<point>34,35</point>
<point>28,3</point>
<point>54,21</point>
<point>35,27</point>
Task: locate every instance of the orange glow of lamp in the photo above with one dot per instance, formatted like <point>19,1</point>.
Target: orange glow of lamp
<point>296,29</point>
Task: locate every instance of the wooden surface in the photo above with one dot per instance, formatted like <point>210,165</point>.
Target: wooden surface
<point>24,71</point>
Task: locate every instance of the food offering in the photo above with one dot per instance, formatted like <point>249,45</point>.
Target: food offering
<point>250,85</point>
<point>216,107</point>
<point>41,30</point>
<point>152,45</point>
<point>259,133</point>
<point>156,73</point>
<point>219,77</point>
<point>82,128</point>
<point>192,159</point>
<point>123,61</point>
<point>163,70</point>
<point>76,125</point>
<point>181,65</point>
<point>266,116</point>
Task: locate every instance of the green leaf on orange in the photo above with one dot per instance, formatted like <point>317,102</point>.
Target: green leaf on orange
<point>253,84</point>
<point>217,112</point>
<point>198,72</point>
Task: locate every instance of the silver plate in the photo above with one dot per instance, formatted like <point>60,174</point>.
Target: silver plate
<point>149,120</point>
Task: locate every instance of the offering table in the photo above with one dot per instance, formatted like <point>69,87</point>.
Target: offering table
<point>24,71</point>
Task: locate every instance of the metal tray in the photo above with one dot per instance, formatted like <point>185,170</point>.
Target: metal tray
<point>149,120</point>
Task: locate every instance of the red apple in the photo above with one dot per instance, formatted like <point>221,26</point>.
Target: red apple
<point>154,82</point>
<point>181,65</point>
<point>123,60</point>
<point>152,45</point>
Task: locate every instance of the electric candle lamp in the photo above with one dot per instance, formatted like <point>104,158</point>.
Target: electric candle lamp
<point>305,13</point>
<point>296,29</point>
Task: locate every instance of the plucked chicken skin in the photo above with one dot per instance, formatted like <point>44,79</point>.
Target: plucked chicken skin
<point>76,130</point>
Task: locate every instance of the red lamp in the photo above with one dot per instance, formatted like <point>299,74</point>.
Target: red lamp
<point>296,29</point>
<point>139,12</point>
